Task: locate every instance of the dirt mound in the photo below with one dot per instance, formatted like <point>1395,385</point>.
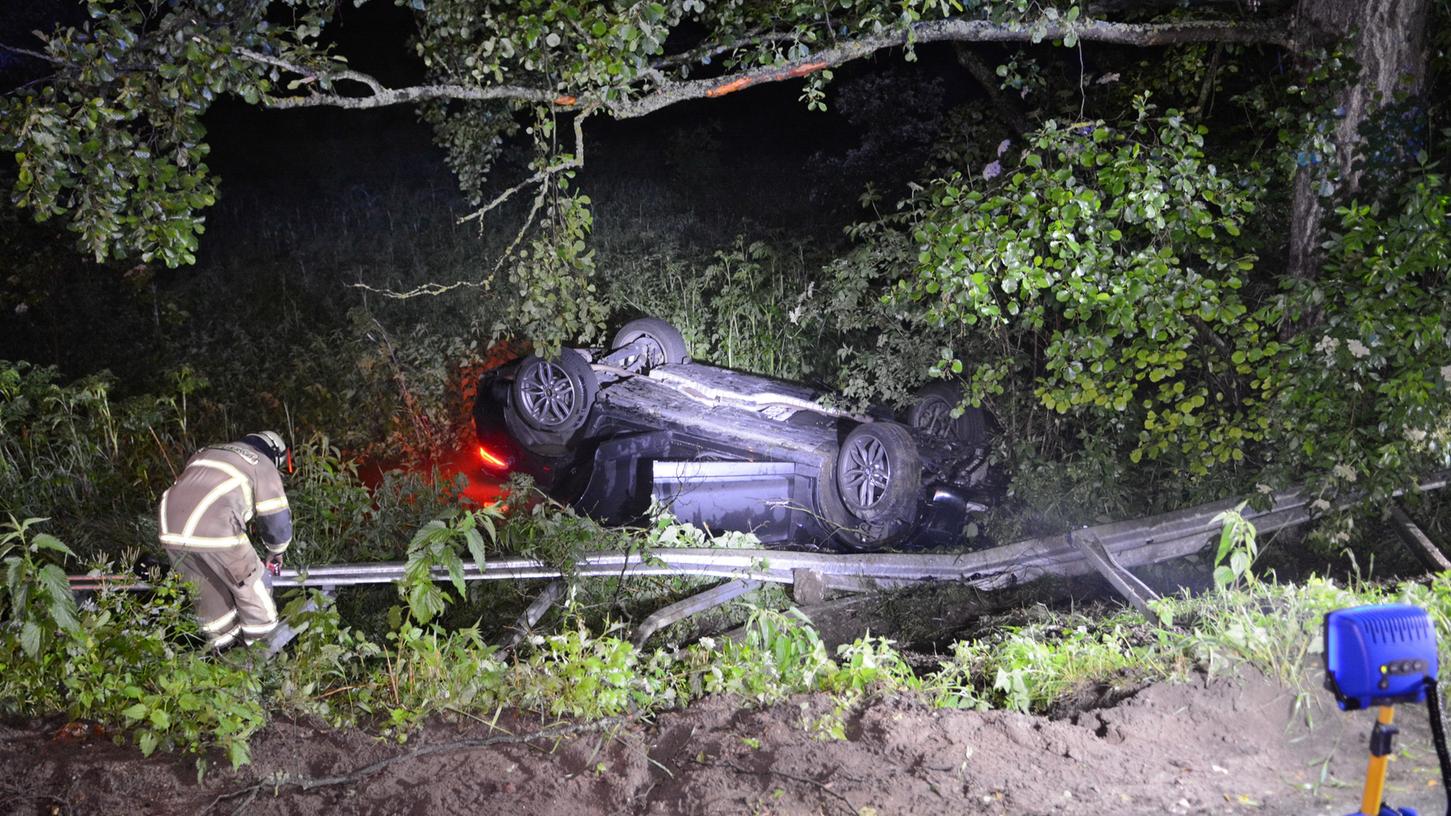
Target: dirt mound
<point>1210,746</point>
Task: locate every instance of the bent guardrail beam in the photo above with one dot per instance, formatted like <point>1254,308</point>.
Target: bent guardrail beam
<point>1132,543</point>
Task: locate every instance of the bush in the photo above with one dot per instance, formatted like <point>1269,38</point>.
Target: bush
<point>129,661</point>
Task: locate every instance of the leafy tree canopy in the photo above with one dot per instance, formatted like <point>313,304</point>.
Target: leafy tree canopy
<point>113,139</point>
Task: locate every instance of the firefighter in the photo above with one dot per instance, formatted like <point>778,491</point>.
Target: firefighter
<point>204,518</point>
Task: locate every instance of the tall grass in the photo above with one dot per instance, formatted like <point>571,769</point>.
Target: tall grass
<point>741,308</point>
<point>95,465</point>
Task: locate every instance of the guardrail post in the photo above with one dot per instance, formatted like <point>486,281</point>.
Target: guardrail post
<point>694,605</point>
<point>808,587</point>
<point>1126,583</point>
<point>1417,541</point>
<point>527,621</point>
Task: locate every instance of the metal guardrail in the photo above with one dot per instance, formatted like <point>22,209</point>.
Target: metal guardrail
<point>1132,543</point>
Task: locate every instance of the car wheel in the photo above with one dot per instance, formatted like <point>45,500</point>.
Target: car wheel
<point>840,525</point>
<point>931,413</point>
<point>663,343</point>
<point>878,479</point>
<point>550,400</point>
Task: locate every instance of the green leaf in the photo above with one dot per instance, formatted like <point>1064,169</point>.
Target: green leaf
<point>238,753</point>
<point>46,541</point>
<point>14,585</point>
<point>428,533</point>
<point>455,567</point>
<point>1226,541</point>
<point>1239,562</point>
<point>425,602</point>
<point>30,638</point>
<point>62,602</point>
<point>63,612</point>
<point>476,547</point>
<point>147,741</point>
<point>135,712</point>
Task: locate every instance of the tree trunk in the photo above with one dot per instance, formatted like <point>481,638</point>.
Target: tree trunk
<point>1390,50</point>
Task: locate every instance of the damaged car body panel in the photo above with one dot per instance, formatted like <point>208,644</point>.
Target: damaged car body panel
<point>615,431</point>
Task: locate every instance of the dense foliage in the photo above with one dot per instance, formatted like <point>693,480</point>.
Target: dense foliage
<point>1111,285</point>
<point>1102,283</point>
<point>97,467</point>
<point>116,139</point>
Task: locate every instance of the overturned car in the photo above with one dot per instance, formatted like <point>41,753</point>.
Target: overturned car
<point>612,431</point>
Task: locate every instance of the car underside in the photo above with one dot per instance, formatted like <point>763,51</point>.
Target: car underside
<point>618,431</point>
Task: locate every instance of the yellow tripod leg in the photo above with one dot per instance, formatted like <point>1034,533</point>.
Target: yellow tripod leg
<point>1375,773</point>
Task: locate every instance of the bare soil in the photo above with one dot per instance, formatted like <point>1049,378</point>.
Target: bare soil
<point>1223,745</point>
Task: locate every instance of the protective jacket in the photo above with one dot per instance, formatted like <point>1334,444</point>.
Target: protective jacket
<point>204,518</point>
<point>222,488</point>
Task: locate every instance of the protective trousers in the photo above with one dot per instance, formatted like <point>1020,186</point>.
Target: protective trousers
<point>231,599</point>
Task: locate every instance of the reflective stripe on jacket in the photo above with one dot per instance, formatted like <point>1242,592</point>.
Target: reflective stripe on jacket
<point>218,492</point>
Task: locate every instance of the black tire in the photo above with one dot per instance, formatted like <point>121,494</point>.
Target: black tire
<point>665,344</point>
<point>931,413</point>
<point>550,400</point>
<point>878,479</point>
<point>839,525</point>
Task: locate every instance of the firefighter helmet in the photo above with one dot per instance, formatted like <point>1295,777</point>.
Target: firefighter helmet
<point>269,444</point>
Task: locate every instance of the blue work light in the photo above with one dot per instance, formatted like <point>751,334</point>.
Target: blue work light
<point>1380,656</point>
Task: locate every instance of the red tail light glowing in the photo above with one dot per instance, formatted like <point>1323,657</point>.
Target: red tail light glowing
<point>492,459</point>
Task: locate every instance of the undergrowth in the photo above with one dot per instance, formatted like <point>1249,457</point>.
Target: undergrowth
<point>97,465</point>
<point>133,661</point>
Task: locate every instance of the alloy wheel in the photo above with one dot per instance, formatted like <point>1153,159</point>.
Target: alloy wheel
<point>548,394</point>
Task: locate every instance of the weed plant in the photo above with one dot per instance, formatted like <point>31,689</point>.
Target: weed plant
<point>96,467</point>
<point>130,661</point>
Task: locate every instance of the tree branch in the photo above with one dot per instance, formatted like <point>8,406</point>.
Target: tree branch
<point>1272,32</point>
<point>708,52</point>
<point>39,55</point>
<point>1276,32</point>
<point>382,97</point>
